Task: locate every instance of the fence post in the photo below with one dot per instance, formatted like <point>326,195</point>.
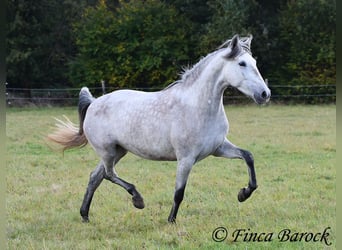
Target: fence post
<point>103,87</point>
<point>7,95</point>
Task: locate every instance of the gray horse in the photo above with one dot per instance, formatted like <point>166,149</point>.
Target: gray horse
<point>185,122</point>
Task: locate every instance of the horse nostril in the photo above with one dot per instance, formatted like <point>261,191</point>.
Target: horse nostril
<point>264,95</point>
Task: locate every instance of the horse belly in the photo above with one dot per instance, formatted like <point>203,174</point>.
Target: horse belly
<point>148,138</point>
<point>152,152</point>
<point>133,121</point>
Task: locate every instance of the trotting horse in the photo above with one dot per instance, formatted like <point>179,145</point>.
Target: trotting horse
<point>185,122</point>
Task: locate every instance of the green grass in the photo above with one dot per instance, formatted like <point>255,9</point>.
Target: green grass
<point>294,149</point>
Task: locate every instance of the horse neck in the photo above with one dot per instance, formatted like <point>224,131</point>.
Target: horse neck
<point>205,89</point>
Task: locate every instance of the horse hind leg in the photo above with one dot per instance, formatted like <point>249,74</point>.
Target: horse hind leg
<point>105,170</point>
<point>110,174</point>
<point>95,180</point>
<point>137,199</point>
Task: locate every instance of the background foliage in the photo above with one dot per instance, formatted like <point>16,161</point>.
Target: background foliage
<point>144,44</point>
<point>137,45</point>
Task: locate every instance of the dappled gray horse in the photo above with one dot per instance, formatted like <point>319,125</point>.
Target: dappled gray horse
<point>185,122</point>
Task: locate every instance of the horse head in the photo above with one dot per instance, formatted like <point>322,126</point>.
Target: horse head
<point>240,70</point>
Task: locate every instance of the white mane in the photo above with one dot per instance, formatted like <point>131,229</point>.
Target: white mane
<point>190,74</point>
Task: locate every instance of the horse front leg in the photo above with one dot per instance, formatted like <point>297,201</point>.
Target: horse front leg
<point>229,150</point>
<point>183,171</point>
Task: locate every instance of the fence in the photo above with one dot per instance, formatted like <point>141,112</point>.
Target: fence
<point>20,97</point>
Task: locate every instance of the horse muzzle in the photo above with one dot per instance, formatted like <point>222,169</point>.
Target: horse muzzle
<point>262,97</point>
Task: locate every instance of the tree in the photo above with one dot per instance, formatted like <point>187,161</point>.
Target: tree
<point>140,44</point>
<point>263,23</point>
<point>40,41</point>
<point>197,11</point>
<point>307,40</point>
<point>230,17</point>
<point>308,32</point>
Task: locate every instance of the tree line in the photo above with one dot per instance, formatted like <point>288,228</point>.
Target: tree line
<point>147,43</point>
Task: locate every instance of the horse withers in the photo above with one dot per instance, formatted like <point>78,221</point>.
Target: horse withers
<point>185,122</point>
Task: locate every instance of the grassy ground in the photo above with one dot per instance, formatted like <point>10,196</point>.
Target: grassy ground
<point>294,149</point>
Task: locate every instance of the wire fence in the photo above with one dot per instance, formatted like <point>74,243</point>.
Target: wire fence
<point>308,94</point>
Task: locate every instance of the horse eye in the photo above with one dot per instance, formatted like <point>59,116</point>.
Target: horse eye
<point>242,64</point>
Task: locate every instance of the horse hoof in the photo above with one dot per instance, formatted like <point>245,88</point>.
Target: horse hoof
<point>172,221</point>
<point>138,202</point>
<point>241,196</point>
<point>85,219</point>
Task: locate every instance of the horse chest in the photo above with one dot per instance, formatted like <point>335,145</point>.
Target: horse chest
<point>200,137</point>
<point>213,138</point>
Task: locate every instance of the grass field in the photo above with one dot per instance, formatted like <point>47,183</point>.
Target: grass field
<point>295,156</point>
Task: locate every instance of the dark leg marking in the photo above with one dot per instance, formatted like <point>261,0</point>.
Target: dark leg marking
<point>245,193</point>
<point>137,199</point>
<point>178,198</point>
<point>229,150</point>
<point>95,180</point>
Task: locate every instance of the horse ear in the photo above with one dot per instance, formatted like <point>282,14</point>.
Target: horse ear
<point>234,48</point>
<point>247,42</point>
<point>234,42</point>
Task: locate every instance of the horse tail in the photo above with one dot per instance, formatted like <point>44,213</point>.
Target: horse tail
<point>67,134</point>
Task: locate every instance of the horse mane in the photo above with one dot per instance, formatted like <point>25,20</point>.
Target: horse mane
<point>190,74</point>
